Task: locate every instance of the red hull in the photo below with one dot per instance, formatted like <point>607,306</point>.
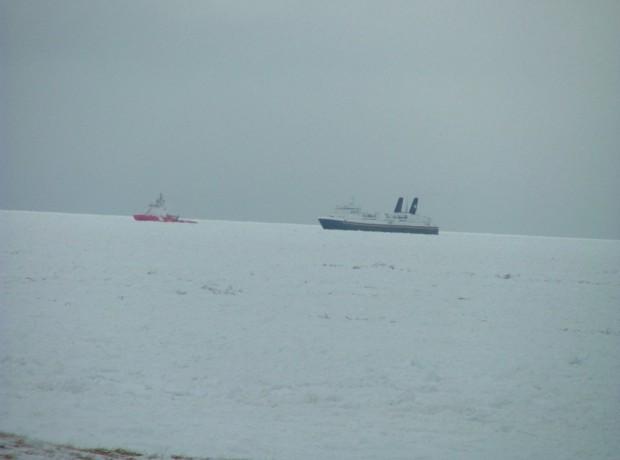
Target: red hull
<point>166,218</point>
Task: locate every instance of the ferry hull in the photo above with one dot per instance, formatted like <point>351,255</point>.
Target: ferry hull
<point>341,224</point>
<point>166,218</point>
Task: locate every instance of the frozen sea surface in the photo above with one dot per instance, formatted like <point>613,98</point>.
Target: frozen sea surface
<point>274,341</point>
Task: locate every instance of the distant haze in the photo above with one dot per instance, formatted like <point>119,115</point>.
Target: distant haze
<point>501,116</point>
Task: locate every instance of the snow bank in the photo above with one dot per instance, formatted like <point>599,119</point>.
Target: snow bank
<point>262,341</point>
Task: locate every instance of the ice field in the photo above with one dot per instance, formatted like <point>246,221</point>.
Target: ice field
<point>279,341</point>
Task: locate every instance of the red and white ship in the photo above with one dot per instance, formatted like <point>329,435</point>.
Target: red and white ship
<point>156,212</point>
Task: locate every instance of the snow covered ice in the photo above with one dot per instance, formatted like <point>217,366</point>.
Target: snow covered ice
<point>276,341</point>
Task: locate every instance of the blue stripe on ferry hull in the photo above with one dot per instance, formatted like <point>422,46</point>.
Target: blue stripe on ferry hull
<point>335,224</point>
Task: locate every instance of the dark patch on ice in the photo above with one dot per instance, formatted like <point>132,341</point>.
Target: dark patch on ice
<point>13,446</point>
<point>577,360</point>
<point>607,331</point>
<point>215,289</point>
<point>380,265</point>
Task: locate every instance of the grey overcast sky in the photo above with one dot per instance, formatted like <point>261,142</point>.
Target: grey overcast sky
<point>502,116</point>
